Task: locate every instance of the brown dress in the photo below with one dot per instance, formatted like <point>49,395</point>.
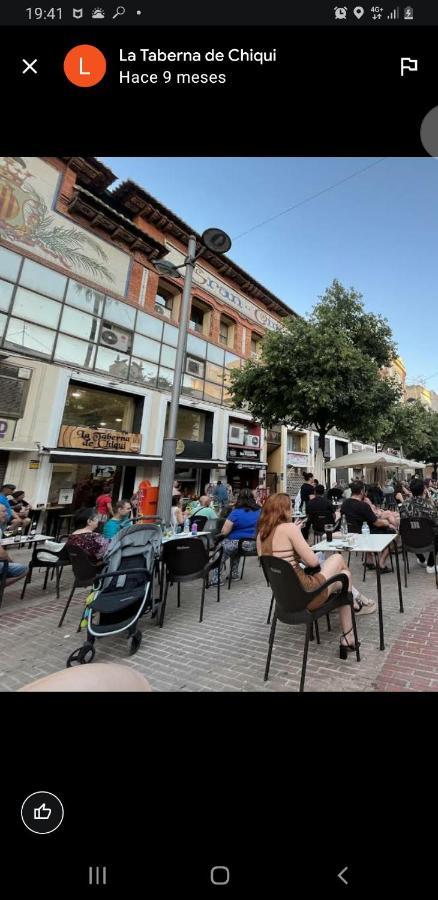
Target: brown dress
<point>309,582</point>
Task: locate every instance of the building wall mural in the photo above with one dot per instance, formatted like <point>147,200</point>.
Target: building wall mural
<point>28,191</point>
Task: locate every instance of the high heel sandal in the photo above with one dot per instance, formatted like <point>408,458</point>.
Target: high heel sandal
<point>345,649</point>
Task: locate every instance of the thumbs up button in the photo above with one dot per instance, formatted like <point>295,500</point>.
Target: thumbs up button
<point>42,812</point>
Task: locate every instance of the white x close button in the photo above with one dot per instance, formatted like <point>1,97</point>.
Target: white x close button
<point>30,66</point>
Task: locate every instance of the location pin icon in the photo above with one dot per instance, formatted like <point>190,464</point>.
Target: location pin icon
<point>358,11</point>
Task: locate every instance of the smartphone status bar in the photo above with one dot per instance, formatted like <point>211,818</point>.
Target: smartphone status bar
<point>228,12</point>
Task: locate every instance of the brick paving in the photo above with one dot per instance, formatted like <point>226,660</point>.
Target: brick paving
<point>227,652</point>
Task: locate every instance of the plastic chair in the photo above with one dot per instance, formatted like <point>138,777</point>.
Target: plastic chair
<point>50,556</point>
<point>187,559</point>
<point>241,553</point>
<point>318,521</point>
<point>85,572</point>
<point>291,601</point>
<point>417,536</point>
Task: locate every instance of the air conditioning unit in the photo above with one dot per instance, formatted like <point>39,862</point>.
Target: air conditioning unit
<point>114,337</point>
<point>195,367</point>
<point>163,311</point>
<point>252,440</point>
<point>236,434</point>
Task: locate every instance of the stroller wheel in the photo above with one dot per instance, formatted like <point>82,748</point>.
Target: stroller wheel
<point>82,655</point>
<point>134,642</point>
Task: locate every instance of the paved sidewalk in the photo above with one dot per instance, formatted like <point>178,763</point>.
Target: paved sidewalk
<point>227,652</point>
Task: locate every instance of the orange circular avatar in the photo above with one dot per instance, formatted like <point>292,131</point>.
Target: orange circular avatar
<point>85,65</point>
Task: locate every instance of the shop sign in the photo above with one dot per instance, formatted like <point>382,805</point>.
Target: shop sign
<point>34,464</point>
<point>65,496</point>
<point>7,430</point>
<point>243,453</point>
<point>180,447</point>
<point>79,438</point>
<point>224,292</point>
<point>297,459</point>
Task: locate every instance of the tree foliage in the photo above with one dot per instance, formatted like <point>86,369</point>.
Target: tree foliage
<point>413,430</point>
<point>324,371</point>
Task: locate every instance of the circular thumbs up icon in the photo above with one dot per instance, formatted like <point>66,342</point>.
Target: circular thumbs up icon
<point>42,812</point>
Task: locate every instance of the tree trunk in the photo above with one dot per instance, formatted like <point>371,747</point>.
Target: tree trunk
<point>321,440</point>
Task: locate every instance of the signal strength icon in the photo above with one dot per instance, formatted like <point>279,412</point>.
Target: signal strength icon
<point>395,14</point>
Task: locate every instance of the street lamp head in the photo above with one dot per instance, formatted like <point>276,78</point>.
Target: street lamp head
<point>216,240</point>
<point>164,267</point>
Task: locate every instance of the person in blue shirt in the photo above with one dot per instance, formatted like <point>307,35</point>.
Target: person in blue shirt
<point>221,493</point>
<point>241,523</point>
<point>120,519</point>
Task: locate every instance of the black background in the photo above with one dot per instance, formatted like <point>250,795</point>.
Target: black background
<point>284,789</point>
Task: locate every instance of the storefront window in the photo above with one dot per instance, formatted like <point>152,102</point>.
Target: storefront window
<point>42,279</point>
<point>112,362</point>
<point>93,408</point>
<point>5,295</point>
<point>146,348</point>
<point>149,325</point>
<point>192,386</point>
<point>71,350</point>
<point>190,425</point>
<point>168,356</point>
<point>143,372</point>
<point>30,337</point>
<point>215,354</point>
<point>83,483</point>
<point>214,373</point>
<point>9,264</point>
<point>165,378</point>
<point>77,322</point>
<point>36,308</point>
<point>196,346</point>
<point>84,298</point>
<point>212,392</point>
<point>120,313</point>
<point>170,335</point>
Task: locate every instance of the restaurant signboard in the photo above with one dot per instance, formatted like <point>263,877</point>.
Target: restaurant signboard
<point>300,460</point>
<point>78,437</point>
<point>243,453</point>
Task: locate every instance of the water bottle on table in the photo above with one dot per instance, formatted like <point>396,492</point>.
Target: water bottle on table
<point>365,529</point>
<point>186,526</point>
<point>344,526</point>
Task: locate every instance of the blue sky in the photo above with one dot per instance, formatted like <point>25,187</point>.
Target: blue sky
<point>376,232</point>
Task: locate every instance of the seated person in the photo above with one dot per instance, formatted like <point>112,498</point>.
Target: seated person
<point>13,521</point>
<point>15,570</point>
<point>420,506</point>
<point>120,519</point>
<point>336,492</point>
<point>356,511</point>
<point>21,508</point>
<point>203,508</point>
<point>320,506</point>
<point>241,523</point>
<point>86,537</point>
<point>279,536</point>
<point>177,515</point>
<point>391,517</point>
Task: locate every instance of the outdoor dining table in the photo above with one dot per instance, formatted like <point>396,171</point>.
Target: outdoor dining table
<point>368,543</point>
<point>25,539</point>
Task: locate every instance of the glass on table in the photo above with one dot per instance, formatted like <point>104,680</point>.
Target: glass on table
<point>329,529</point>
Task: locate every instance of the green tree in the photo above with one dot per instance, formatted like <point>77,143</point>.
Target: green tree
<point>322,372</point>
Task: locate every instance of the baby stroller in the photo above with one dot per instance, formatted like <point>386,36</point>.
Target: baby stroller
<point>123,590</point>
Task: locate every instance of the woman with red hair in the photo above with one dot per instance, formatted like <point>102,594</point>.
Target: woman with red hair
<point>278,536</point>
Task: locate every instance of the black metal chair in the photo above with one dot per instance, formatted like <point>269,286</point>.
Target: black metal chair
<point>241,553</point>
<point>187,559</point>
<point>417,536</point>
<point>291,601</point>
<point>201,522</point>
<point>53,561</point>
<point>318,521</point>
<point>85,572</point>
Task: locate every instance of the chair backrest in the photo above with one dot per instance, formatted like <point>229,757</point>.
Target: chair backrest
<point>290,596</point>
<point>353,527</point>
<point>185,556</point>
<point>417,532</point>
<point>318,520</point>
<point>84,569</point>
<point>201,522</point>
